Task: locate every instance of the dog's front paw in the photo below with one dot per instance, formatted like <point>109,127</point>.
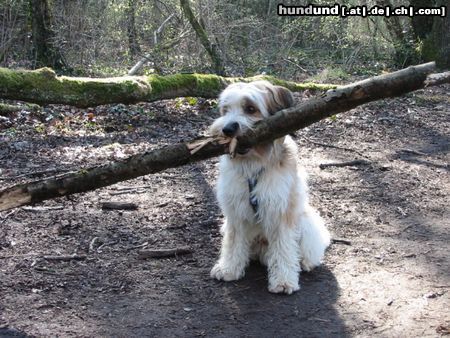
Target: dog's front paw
<point>221,272</point>
<point>285,287</point>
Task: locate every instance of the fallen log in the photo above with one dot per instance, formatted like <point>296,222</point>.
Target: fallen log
<point>6,108</point>
<point>42,86</point>
<point>284,122</point>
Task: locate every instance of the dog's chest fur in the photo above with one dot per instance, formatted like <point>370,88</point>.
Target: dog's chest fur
<point>275,185</point>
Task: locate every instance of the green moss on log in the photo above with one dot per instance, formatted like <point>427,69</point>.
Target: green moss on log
<point>177,85</point>
<point>42,86</point>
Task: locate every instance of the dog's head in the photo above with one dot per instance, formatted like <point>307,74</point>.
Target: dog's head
<point>243,104</point>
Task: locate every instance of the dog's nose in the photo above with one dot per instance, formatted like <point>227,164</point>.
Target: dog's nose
<point>230,129</point>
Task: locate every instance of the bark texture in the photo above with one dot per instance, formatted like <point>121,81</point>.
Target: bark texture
<point>46,53</point>
<point>284,122</point>
<point>43,87</point>
<point>441,30</point>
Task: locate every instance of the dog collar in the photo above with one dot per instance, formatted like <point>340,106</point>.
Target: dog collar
<point>251,189</point>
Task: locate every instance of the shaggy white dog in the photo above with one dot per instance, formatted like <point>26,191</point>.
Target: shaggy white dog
<point>264,196</point>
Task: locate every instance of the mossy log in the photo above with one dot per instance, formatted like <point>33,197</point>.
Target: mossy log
<point>6,108</point>
<point>284,122</point>
<point>42,86</point>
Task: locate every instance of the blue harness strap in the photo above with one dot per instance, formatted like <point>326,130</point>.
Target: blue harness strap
<point>251,188</point>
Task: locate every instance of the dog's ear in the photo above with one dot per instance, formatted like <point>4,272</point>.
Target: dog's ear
<point>279,98</point>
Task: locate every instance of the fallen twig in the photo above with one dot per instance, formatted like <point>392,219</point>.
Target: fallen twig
<point>65,258</point>
<point>163,253</point>
<point>132,247</point>
<point>92,244</point>
<point>412,152</point>
<point>119,206</point>
<point>99,249</point>
<point>340,241</point>
<point>326,145</point>
<point>4,218</point>
<point>130,191</point>
<point>344,164</point>
<point>131,187</point>
<point>437,79</point>
<point>36,209</point>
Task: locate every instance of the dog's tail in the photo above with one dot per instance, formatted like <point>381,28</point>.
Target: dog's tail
<point>315,238</point>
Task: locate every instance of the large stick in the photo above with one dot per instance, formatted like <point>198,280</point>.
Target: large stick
<point>282,123</point>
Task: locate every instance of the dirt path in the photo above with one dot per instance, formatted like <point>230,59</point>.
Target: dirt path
<point>392,280</point>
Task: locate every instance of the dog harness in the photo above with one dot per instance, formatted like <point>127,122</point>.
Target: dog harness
<point>251,189</point>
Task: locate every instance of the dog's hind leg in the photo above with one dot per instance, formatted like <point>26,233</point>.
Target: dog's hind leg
<point>234,253</point>
<point>315,238</point>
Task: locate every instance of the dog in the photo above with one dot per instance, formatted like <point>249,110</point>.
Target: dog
<point>263,195</point>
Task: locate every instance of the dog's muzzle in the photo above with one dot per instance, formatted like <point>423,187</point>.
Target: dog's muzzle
<point>231,129</point>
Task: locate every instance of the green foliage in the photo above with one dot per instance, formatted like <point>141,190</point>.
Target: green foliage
<point>192,101</point>
<point>249,35</point>
<point>331,75</point>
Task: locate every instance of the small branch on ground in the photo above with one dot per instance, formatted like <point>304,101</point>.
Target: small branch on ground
<point>133,247</point>
<point>99,249</point>
<point>4,218</point>
<point>437,79</point>
<point>65,258</point>
<point>92,244</point>
<point>38,209</point>
<point>119,206</point>
<point>326,145</point>
<point>344,164</point>
<point>412,152</point>
<point>163,253</point>
<point>340,241</point>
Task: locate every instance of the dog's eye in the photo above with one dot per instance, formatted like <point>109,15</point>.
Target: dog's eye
<point>250,109</point>
<point>223,110</point>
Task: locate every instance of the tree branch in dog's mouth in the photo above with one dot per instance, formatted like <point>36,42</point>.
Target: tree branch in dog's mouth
<point>233,147</point>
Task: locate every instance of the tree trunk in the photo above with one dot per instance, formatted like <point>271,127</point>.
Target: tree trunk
<point>404,50</point>
<point>42,86</point>
<point>133,44</point>
<point>210,48</point>
<point>284,122</point>
<point>421,24</point>
<point>46,53</point>
<point>433,33</point>
<point>441,33</point>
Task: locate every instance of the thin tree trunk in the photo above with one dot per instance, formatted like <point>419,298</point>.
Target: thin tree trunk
<point>210,48</point>
<point>282,123</point>
<point>133,44</point>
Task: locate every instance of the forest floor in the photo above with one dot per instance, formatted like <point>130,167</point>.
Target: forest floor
<point>392,278</point>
